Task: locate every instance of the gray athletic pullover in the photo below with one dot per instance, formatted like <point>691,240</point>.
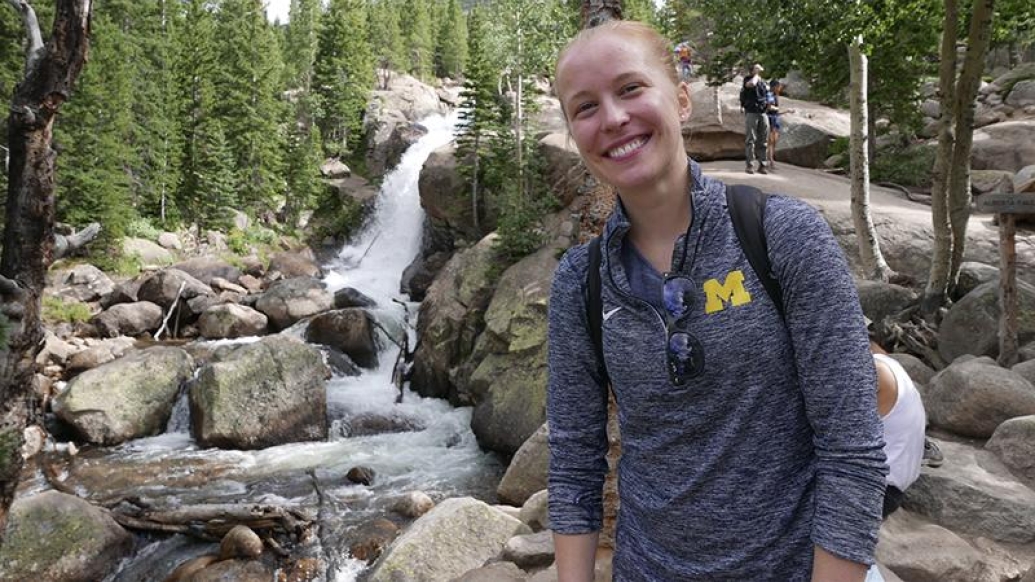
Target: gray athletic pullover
<point>775,447</point>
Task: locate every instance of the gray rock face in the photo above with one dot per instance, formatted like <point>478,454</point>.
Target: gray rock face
<point>459,535</point>
<point>348,297</point>
<point>1014,443</point>
<point>148,252</point>
<point>163,287</point>
<point>714,134</point>
<point>446,198</point>
<point>880,300</point>
<point>125,292</point>
<point>918,371</point>
<point>85,542</point>
<point>261,394</point>
<point>511,356</point>
<point>230,320</point>
<point>974,493</point>
<point>349,330</point>
<point>973,397</point>
<point>536,511</point>
<point>289,300</point>
<point>495,572</point>
<point>1022,94</point>
<point>295,265</point>
<point>1009,146</point>
<point>206,268</point>
<point>129,398</point>
<point>972,276</point>
<point>946,557</point>
<point>84,283</point>
<point>450,320</point>
<point>130,319</point>
<point>97,355</point>
<point>530,550</point>
<point>972,324</point>
<point>526,473</point>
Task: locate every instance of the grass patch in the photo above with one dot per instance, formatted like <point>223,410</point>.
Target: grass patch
<point>57,310</point>
<point>904,165</point>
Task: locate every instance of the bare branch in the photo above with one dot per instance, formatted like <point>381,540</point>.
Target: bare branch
<point>35,48</point>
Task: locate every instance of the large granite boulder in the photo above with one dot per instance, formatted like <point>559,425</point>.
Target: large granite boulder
<point>128,398</point>
<point>974,493</point>
<point>973,397</point>
<point>146,251</point>
<point>261,394</point>
<point>509,380</point>
<point>450,319</point>
<point>128,319</point>
<point>972,324</point>
<point>164,287</point>
<point>716,129</point>
<point>527,471</point>
<point>350,331</point>
<point>206,268</point>
<point>880,300</point>
<point>946,557</point>
<point>1022,94</point>
<point>1006,146</point>
<point>446,197</point>
<point>289,300</point>
<point>230,320</point>
<point>458,535</point>
<point>390,126</point>
<point>1014,443</point>
<point>83,542</point>
<point>291,264</point>
<point>82,282</point>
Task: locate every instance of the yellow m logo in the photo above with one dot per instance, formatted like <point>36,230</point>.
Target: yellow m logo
<point>717,294</point>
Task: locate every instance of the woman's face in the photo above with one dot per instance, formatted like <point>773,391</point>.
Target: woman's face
<point>624,111</point>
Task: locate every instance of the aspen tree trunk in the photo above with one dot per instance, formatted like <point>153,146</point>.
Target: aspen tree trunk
<point>938,279</point>
<point>50,73</point>
<point>979,38</point>
<point>866,234</point>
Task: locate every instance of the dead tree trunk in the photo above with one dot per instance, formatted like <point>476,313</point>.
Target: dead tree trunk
<point>50,73</point>
<point>595,12</point>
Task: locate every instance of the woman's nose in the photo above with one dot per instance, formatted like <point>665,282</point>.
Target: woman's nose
<point>615,115</point>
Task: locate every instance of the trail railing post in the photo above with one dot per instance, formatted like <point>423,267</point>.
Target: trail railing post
<point>1006,206</point>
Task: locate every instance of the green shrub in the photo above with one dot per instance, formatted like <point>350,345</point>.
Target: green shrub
<point>242,242</point>
<point>904,165</point>
<point>57,310</point>
<point>116,262</point>
<point>142,228</point>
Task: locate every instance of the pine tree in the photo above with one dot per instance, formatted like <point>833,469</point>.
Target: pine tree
<point>212,178</point>
<point>480,114</point>
<point>156,127</point>
<point>386,40</point>
<point>419,38</point>
<point>344,75</point>
<point>94,182</point>
<point>195,64</point>
<point>303,173</point>
<point>642,10</point>
<point>249,107</point>
<point>301,42</point>
<point>451,53</point>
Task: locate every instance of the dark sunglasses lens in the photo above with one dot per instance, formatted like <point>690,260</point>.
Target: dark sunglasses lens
<point>685,357</point>
<point>678,296</point>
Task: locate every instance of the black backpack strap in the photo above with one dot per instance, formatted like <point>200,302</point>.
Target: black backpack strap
<point>747,211</point>
<point>594,304</point>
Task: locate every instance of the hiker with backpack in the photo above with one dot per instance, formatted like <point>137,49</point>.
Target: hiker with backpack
<point>754,101</point>
<point>683,57</point>
<point>726,325</point>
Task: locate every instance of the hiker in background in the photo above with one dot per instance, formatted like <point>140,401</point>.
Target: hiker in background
<point>753,96</point>
<point>772,111</point>
<point>683,57</point>
<point>751,444</point>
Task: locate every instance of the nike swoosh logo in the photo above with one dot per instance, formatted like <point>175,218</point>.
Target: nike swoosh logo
<point>608,314</point>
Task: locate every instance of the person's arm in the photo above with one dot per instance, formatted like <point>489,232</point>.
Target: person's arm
<point>577,413</point>
<point>576,556</point>
<point>837,377</point>
<point>827,567</point>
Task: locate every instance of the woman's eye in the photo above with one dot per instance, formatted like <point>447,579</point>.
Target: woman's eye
<point>631,88</point>
<point>584,108</point>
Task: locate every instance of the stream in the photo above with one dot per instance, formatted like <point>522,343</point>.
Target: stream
<point>437,453</point>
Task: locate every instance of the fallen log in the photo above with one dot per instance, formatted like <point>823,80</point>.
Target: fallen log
<point>214,520</point>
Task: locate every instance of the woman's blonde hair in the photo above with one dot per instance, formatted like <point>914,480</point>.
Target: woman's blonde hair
<point>636,31</point>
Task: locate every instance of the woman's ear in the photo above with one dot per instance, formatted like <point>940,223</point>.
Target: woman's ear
<point>686,105</point>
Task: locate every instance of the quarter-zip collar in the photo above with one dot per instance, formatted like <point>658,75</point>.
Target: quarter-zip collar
<point>703,193</point>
